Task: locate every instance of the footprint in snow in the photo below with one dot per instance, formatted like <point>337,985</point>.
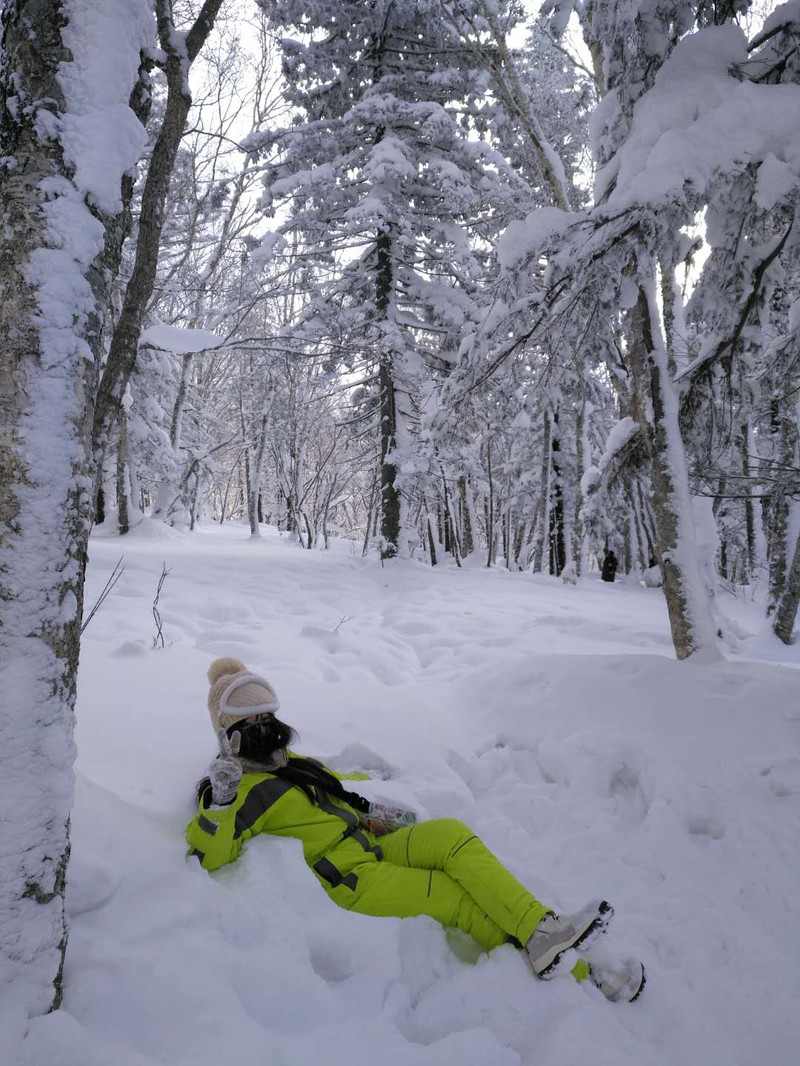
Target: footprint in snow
<point>783,777</point>
<point>625,785</point>
<point>703,825</point>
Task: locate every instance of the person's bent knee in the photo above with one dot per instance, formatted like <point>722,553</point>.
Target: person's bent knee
<point>456,832</point>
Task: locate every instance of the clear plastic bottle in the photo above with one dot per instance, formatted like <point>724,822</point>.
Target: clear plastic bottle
<point>380,819</point>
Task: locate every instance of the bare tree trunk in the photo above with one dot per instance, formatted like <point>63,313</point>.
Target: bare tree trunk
<point>780,509</point>
<point>749,512</point>
<point>454,527</point>
<point>786,612</point>
<point>581,443</point>
<point>176,423</point>
<point>640,536</point>
<point>125,341</point>
<point>558,553</point>
<point>490,507</point>
<point>687,604</point>
<point>542,518</point>
<point>246,483</point>
<point>168,490</point>
<point>431,538</point>
<point>254,501</point>
<point>123,481</point>
<point>228,484</point>
<point>370,511</point>
<point>646,517</point>
<point>100,507</point>
<point>390,496</point>
<point>118,228</point>
<point>466,518</point>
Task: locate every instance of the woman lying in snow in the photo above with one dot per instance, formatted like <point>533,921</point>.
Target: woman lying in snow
<point>369,858</point>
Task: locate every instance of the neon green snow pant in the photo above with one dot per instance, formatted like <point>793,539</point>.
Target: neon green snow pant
<point>441,868</point>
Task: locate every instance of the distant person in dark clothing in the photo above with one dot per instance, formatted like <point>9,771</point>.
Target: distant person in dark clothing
<point>610,564</point>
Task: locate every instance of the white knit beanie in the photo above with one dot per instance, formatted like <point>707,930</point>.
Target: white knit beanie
<point>237,694</point>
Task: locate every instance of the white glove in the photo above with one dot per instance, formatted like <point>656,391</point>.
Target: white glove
<point>225,771</point>
<point>380,819</point>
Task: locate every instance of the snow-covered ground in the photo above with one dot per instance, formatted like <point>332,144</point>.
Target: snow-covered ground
<point>551,718</point>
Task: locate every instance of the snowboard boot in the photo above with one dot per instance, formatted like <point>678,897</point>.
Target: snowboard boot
<point>557,933</point>
<point>619,978</point>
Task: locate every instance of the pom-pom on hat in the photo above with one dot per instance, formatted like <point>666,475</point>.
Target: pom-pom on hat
<point>237,694</point>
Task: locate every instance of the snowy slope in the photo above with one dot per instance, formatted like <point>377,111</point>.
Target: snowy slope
<point>553,719</point>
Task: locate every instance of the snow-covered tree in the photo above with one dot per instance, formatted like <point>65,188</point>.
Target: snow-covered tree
<point>389,199</point>
<point>67,135</point>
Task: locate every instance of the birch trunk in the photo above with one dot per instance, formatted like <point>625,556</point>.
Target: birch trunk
<point>690,617</point>
<point>53,293</point>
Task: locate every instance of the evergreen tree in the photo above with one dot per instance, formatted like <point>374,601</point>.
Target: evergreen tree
<point>389,199</point>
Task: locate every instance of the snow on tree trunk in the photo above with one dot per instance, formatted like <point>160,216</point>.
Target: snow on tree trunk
<point>390,497</point>
<point>690,617</point>
<point>583,456</point>
<point>786,612</point>
<point>467,508</point>
<point>67,135</point>
<point>169,491</point>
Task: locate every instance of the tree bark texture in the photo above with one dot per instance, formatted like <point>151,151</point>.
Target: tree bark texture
<point>390,496</point>
<point>582,456</point>
<point>465,506</point>
<point>254,499</point>
<point>780,506</point>
<point>52,302</point>
<point>689,613</point>
<point>786,612</point>
<point>558,546</point>
<point>123,480</point>
<point>542,518</point>
<point>125,341</point>
<point>169,491</point>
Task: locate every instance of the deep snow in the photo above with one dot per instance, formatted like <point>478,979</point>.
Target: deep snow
<point>551,718</point>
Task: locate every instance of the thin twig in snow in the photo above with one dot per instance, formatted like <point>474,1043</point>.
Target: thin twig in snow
<point>116,574</point>
<point>156,614</point>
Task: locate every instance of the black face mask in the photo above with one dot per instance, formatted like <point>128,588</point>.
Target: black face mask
<point>261,739</point>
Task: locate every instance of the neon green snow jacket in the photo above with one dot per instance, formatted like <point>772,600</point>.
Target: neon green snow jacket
<point>267,804</point>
